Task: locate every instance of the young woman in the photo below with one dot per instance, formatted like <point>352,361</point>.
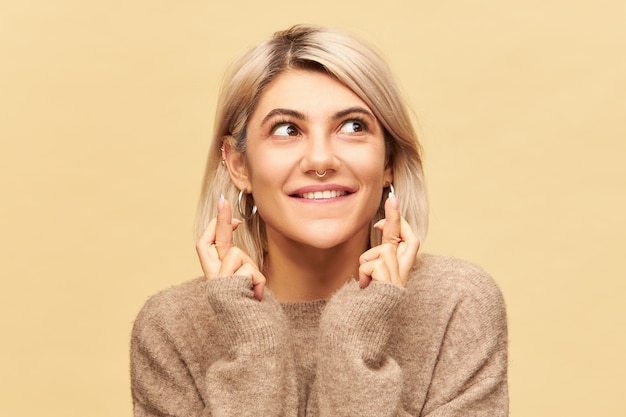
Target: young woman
<point>314,300</point>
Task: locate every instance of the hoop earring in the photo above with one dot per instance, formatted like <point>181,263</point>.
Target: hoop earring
<point>241,210</point>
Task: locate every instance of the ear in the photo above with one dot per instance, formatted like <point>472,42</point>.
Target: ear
<point>236,164</point>
<point>388,174</point>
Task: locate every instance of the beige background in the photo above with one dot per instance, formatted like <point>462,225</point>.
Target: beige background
<point>105,111</point>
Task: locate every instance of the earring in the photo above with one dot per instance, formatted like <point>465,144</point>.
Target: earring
<point>241,210</point>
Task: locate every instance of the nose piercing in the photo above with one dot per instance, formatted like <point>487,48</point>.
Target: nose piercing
<point>323,174</point>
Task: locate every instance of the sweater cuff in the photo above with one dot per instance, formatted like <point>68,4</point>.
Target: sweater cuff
<point>361,320</point>
<point>247,326</point>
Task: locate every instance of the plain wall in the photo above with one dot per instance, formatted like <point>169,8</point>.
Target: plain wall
<point>105,113</point>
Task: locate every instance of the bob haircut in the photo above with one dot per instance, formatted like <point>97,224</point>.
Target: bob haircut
<point>351,62</point>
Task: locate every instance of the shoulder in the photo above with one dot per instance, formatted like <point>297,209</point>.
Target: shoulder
<point>455,313</point>
<point>452,275</point>
<point>173,307</point>
<point>453,282</point>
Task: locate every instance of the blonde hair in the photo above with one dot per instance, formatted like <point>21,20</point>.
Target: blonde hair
<point>353,63</point>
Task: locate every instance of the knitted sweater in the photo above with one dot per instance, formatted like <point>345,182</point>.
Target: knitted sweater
<point>437,348</point>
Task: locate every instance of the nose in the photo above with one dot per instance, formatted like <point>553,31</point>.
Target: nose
<point>319,154</point>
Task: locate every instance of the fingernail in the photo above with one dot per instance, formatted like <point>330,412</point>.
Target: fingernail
<point>220,202</point>
<point>379,224</point>
<point>393,200</point>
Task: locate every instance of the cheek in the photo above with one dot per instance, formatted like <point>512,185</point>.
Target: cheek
<point>370,166</point>
<point>267,171</point>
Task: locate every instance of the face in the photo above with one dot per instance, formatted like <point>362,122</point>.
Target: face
<point>315,162</point>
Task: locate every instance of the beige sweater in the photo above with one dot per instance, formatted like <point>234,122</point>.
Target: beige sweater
<point>437,348</point>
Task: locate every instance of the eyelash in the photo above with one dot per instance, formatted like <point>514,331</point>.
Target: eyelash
<point>284,122</point>
<point>360,121</point>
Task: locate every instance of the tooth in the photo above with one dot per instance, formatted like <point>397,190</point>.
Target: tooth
<point>318,195</point>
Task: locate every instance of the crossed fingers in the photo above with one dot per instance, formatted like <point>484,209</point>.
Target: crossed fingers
<point>219,256</point>
<point>392,260</point>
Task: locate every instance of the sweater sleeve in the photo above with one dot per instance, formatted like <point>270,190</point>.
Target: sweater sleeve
<point>355,377</point>
<point>254,376</point>
<point>257,378</point>
<point>470,375</point>
<point>162,378</point>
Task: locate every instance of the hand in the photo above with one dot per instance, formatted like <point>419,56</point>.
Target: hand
<point>219,257</point>
<point>391,261</point>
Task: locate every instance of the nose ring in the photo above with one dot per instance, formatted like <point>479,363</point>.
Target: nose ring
<point>323,174</point>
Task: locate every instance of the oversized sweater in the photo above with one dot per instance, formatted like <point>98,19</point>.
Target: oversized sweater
<point>436,348</point>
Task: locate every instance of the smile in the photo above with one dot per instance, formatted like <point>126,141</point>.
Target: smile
<point>321,195</point>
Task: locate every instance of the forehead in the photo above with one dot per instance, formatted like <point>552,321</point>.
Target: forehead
<point>307,91</point>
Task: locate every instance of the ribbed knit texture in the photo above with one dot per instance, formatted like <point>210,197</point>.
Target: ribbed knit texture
<point>247,326</point>
<point>436,349</point>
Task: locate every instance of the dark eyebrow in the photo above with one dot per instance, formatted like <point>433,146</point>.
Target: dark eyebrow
<point>283,112</point>
<point>299,116</point>
<point>356,109</point>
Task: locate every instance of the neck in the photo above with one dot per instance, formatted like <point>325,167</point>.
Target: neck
<point>296,272</point>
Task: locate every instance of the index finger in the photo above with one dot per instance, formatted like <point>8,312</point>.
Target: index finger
<point>223,227</point>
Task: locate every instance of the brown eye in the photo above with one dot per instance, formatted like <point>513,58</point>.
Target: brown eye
<point>285,129</point>
<point>353,126</point>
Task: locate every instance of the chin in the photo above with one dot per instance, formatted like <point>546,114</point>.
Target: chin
<point>324,235</point>
<point>328,241</point>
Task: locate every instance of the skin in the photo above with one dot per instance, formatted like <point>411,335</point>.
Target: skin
<point>307,123</point>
